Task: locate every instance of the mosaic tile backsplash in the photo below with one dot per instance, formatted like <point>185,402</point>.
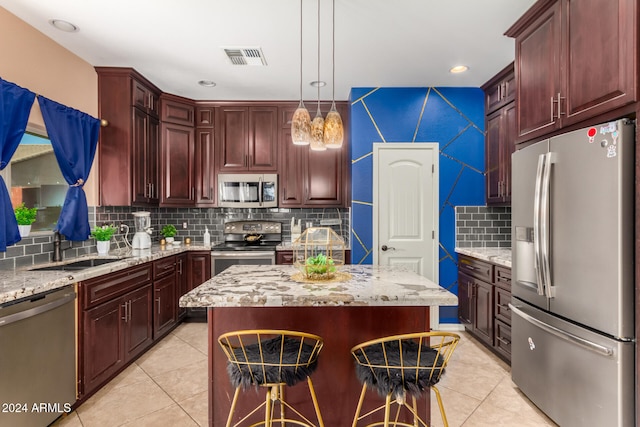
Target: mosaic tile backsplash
<point>483,227</point>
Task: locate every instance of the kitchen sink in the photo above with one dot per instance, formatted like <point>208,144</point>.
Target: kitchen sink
<point>78,265</point>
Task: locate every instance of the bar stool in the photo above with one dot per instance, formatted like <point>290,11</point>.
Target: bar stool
<point>402,365</point>
<point>272,359</point>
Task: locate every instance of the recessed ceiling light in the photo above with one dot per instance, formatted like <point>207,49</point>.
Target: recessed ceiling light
<point>318,83</point>
<point>65,26</point>
<point>458,69</point>
<point>207,83</point>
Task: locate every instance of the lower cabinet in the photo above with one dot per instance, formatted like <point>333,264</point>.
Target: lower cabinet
<point>484,292</point>
<point>116,321</point>
<point>122,314</point>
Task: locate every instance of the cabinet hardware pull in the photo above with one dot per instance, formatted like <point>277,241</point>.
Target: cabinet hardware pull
<point>560,113</point>
<point>503,341</point>
<point>193,193</point>
<point>500,91</point>
<point>504,306</point>
<point>180,267</point>
<point>130,310</point>
<point>158,301</point>
<point>470,267</point>
<point>552,116</point>
<point>124,306</point>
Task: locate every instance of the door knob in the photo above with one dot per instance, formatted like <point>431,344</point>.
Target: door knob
<point>386,248</point>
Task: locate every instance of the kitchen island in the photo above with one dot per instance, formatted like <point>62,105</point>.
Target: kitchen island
<point>375,301</point>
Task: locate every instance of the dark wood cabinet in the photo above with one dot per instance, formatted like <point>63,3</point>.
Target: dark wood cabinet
<point>199,270</point>
<point>115,317</point>
<point>128,151</point>
<point>248,138</point>
<point>180,111</point>
<point>178,172</point>
<point>205,169</point>
<point>312,178</point>
<point>574,61</point>
<point>484,293</point>
<point>500,125</point>
<point>165,310</point>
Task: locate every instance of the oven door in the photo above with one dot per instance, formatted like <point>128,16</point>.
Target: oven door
<point>221,260</point>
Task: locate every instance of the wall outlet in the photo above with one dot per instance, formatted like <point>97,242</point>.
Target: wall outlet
<point>184,225</point>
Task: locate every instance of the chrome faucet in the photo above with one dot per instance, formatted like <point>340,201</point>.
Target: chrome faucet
<point>57,250</point>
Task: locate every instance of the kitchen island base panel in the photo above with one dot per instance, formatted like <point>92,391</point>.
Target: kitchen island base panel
<point>335,380</point>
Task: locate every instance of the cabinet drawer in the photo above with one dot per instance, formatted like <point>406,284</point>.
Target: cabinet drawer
<point>502,311</point>
<point>109,286</point>
<point>177,112</point>
<point>476,268</point>
<point>503,339</point>
<point>503,277</point>
<point>284,257</point>
<point>164,267</point>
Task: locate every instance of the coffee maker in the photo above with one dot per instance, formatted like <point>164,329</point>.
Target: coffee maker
<point>142,238</point>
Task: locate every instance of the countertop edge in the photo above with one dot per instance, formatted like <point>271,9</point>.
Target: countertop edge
<point>498,256</point>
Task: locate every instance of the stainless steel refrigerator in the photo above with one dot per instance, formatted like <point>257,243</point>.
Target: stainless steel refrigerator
<point>572,307</point>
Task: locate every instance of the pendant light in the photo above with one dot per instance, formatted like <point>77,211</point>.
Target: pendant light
<point>317,125</point>
<point>333,128</point>
<point>301,121</point>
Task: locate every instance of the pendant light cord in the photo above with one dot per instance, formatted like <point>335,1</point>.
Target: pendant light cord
<point>333,53</point>
<point>301,102</point>
<point>318,57</point>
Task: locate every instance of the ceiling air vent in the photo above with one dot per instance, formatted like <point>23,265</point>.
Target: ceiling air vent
<point>245,55</point>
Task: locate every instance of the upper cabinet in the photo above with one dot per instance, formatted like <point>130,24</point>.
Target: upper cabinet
<point>248,138</point>
<point>129,146</point>
<point>312,178</point>
<point>500,125</point>
<point>575,60</point>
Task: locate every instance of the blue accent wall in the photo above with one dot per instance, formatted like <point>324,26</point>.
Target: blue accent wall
<point>452,117</point>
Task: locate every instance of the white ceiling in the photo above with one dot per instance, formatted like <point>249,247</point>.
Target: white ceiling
<point>379,43</point>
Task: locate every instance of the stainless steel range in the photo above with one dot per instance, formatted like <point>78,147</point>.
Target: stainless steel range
<point>248,243</point>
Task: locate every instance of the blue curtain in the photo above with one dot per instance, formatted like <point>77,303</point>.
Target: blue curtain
<point>15,106</point>
<point>74,138</point>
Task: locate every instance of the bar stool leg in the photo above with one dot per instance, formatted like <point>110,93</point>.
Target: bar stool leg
<point>281,399</point>
<point>441,406</point>
<point>359,408</point>
<point>387,410</point>
<point>233,406</point>
<point>315,402</point>
<point>267,409</point>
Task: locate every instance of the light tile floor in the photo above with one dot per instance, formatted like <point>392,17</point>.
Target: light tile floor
<point>167,386</point>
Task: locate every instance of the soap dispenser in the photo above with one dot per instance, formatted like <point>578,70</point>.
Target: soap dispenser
<point>207,237</point>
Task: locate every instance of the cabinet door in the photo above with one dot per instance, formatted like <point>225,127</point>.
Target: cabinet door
<point>502,311</point>
<point>291,177</point>
<point>165,313</point>
<point>177,165</point>
<point>483,322</point>
<point>493,158</point>
<point>233,130</point>
<point>205,171</point>
<point>141,166</point>
<point>177,112</point>
<point>538,71</point>
<point>507,148</point>
<point>263,139</point>
<point>199,270</point>
<point>466,309</point>
<point>182,279</point>
<point>153,160</point>
<point>102,352</point>
<point>599,58</point>
<point>324,179</point>
<point>138,334</point>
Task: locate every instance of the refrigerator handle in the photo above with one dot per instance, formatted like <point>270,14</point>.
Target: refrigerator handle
<point>564,335</point>
<point>550,290</point>
<point>537,261</point>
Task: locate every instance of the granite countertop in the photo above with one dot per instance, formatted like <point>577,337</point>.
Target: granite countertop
<point>272,286</point>
<point>499,256</point>
<point>21,283</point>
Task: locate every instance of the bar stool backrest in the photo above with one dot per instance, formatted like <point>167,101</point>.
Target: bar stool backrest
<point>404,364</point>
<point>266,356</point>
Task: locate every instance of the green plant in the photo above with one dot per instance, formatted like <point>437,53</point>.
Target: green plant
<point>25,215</point>
<point>320,264</point>
<point>104,233</point>
<point>169,231</point>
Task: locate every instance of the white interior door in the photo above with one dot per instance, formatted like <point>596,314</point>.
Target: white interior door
<point>405,215</point>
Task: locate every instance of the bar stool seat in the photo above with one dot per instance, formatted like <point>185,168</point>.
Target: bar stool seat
<point>402,366</point>
<point>272,359</point>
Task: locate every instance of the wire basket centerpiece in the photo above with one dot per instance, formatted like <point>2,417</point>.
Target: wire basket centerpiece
<point>318,253</point>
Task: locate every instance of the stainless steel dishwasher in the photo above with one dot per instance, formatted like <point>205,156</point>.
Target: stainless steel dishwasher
<point>37,359</point>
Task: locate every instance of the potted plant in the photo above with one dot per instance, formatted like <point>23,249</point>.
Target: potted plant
<point>103,238</point>
<point>168,231</point>
<point>25,217</point>
<point>320,267</point>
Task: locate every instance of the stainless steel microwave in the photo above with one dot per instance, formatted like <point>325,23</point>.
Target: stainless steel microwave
<point>239,190</point>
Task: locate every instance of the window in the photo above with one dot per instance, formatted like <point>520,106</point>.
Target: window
<point>36,180</point>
